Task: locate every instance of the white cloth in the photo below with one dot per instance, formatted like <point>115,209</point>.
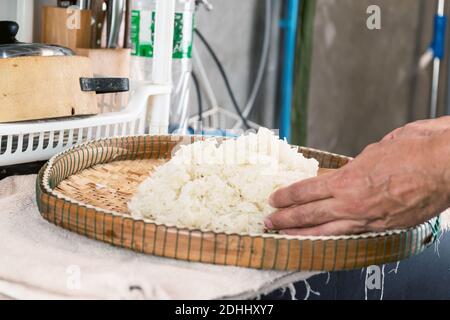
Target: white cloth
<point>39,260</point>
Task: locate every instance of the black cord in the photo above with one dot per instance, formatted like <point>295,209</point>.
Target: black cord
<point>199,96</point>
<point>225,78</point>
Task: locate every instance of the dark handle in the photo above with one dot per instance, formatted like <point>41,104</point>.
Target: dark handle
<point>105,85</point>
<point>8,32</point>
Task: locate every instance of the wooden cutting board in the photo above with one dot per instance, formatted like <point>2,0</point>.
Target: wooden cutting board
<point>44,87</point>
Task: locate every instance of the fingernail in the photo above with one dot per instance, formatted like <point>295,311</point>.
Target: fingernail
<point>271,202</point>
<point>268,223</point>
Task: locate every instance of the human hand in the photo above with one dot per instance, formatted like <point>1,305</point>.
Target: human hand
<point>420,128</point>
<point>392,184</point>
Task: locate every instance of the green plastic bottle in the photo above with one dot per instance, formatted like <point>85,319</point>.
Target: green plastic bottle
<point>142,36</point>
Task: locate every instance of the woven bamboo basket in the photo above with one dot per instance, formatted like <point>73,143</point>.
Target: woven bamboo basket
<point>86,189</point>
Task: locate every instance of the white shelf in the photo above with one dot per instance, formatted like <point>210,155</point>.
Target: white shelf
<point>30,141</point>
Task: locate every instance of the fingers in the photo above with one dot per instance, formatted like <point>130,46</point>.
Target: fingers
<point>301,192</point>
<point>335,228</point>
<point>307,215</point>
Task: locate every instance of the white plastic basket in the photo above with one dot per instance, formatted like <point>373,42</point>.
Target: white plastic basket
<point>30,141</point>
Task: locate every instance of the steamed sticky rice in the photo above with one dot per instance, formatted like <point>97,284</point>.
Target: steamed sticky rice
<point>221,186</point>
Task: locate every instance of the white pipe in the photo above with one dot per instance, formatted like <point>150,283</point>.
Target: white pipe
<point>162,64</point>
<point>436,71</point>
<point>25,14</point>
<point>182,109</point>
<point>441,7</point>
<point>435,88</point>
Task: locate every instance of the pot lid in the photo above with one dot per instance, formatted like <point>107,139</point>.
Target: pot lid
<point>11,48</point>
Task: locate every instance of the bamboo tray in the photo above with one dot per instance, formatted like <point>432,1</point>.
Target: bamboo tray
<point>86,189</point>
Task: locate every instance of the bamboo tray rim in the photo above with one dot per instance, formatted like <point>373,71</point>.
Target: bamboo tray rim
<point>45,183</point>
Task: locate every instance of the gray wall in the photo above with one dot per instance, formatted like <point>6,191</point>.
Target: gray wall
<point>227,29</point>
<point>365,83</point>
<point>235,30</point>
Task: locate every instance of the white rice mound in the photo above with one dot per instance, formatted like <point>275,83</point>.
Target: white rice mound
<point>221,186</point>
